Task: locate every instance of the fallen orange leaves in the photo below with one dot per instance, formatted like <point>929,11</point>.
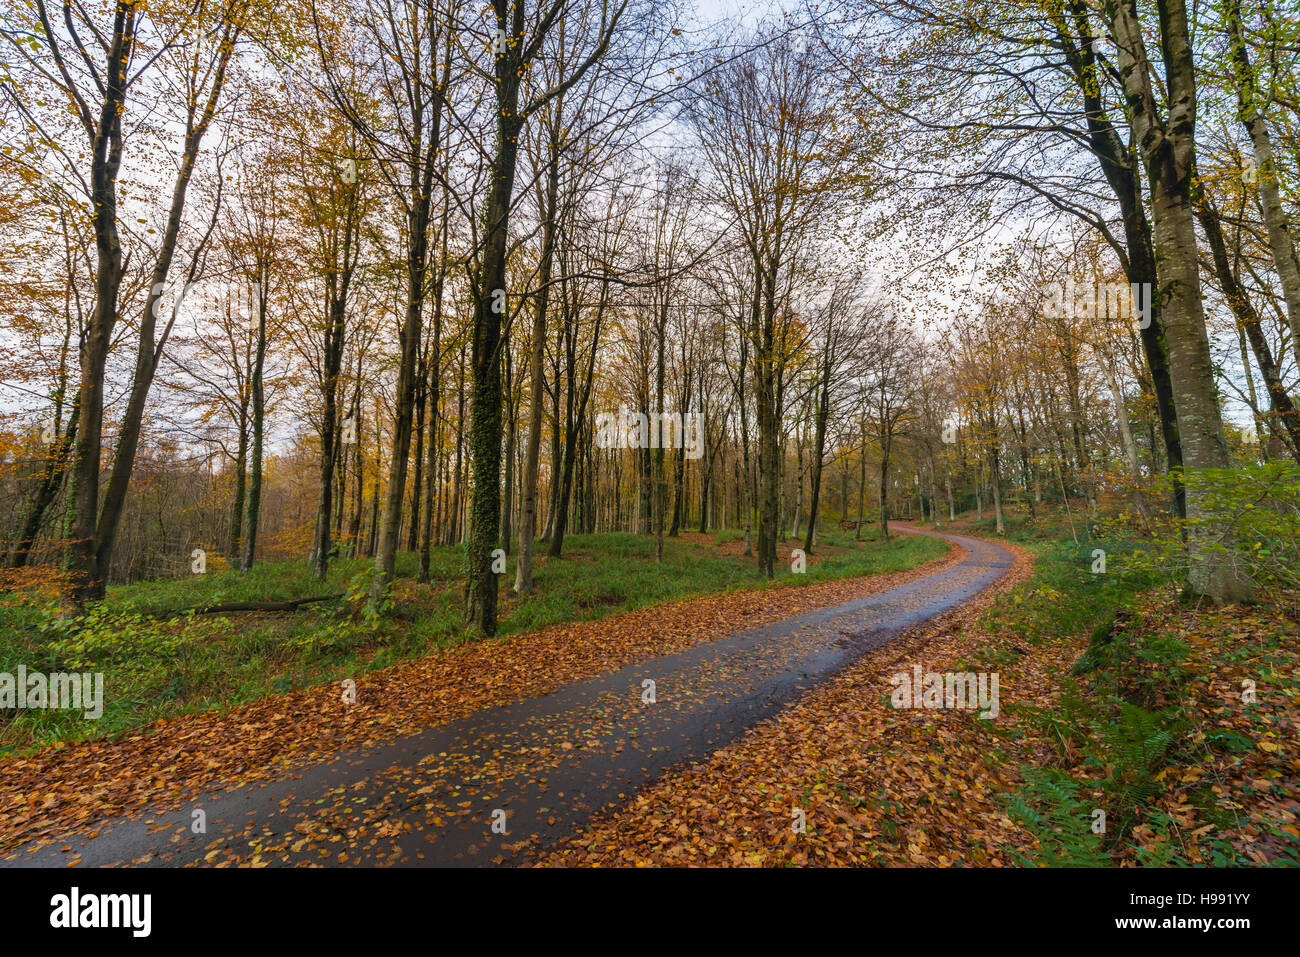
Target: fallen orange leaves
<point>82,784</point>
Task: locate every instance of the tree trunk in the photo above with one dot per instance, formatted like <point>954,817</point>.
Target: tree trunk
<point>1280,240</point>
<point>149,350</point>
<point>1284,412</point>
<point>884,493</point>
<point>819,452</point>
<point>489,289</point>
<point>1168,148</point>
<point>106,150</point>
<point>537,347</point>
<point>253,503</point>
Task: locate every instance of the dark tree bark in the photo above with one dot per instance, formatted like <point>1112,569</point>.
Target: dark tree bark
<point>94,556</point>
<point>1284,414</point>
<point>1168,147</point>
<point>489,291</point>
<point>253,505</point>
<point>822,414</point>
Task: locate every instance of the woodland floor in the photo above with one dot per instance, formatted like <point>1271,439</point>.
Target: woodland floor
<point>1142,716</point>
<point>1114,697</point>
<point>84,783</point>
<point>160,663</point>
<point>548,761</point>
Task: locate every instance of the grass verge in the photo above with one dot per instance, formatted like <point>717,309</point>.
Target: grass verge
<point>157,663</point>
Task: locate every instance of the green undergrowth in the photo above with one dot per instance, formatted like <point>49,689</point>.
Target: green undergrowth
<point>1129,723</point>
<point>159,660</point>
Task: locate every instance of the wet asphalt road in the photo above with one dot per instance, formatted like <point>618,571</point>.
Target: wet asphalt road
<point>535,769</point>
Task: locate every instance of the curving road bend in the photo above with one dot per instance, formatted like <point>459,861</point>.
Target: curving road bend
<point>495,785</point>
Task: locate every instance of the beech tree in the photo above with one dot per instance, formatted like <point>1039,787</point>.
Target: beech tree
<point>764,127</point>
<point>1166,139</point>
<point>516,41</point>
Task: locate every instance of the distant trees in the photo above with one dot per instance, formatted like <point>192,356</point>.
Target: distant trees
<point>97,92</point>
<point>434,250</point>
<point>764,122</point>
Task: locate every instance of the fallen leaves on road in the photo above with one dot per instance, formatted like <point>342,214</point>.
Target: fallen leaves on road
<point>876,785</point>
<point>46,796</point>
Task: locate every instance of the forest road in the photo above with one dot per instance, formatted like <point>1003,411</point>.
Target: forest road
<point>493,787</point>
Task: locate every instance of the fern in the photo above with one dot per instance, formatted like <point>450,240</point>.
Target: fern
<point>1051,805</point>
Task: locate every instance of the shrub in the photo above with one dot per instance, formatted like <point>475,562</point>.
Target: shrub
<point>1248,516</point>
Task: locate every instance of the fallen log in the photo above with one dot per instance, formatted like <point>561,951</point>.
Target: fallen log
<point>291,605</point>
